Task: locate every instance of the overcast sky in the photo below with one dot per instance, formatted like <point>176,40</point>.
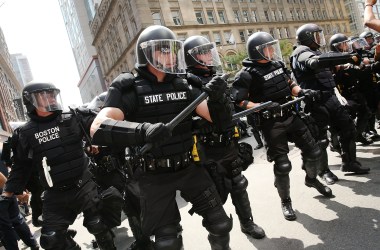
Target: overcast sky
<point>35,28</point>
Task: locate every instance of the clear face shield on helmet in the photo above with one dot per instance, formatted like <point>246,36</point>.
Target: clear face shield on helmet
<point>207,55</point>
<point>270,51</point>
<point>165,55</point>
<point>359,43</point>
<point>46,100</point>
<point>319,38</point>
<point>343,46</point>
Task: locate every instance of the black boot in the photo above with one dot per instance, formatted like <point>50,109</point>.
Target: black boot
<point>354,167</point>
<point>349,162</point>
<point>323,169</point>
<point>287,209</point>
<point>252,229</point>
<point>329,177</point>
<point>240,200</point>
<point>282,183</point>
<point>322,189</point>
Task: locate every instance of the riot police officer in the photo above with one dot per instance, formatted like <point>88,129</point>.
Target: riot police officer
<point>312,70</point>
<point>220,148</point>
<point>52,142</point>
<point>264,78</point>
<point>347,81</point>
<point>136,111</point>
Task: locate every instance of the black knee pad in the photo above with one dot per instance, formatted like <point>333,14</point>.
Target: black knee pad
<point>52,240</point>
<point>217,222</point>
<point>169,243</point>
<point>94,224</point>
<point>239,183</point>
<point>313,155</point>
<point>167,238</point>
<point>282,165</point>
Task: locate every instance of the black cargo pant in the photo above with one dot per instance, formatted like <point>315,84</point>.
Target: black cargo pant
<point>158,197</point>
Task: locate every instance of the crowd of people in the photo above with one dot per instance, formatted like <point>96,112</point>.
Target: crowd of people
<point>172,125</point>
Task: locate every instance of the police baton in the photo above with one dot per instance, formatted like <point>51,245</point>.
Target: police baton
<point>181,116</point>
<point>251,110</point>
<point>295,100</point>
<point>267,114</point>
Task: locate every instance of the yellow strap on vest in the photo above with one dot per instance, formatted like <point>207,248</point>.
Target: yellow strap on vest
<point>236,132</point>
<point>194,152</point>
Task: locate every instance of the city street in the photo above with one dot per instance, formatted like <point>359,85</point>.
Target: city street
<point>349,220</point>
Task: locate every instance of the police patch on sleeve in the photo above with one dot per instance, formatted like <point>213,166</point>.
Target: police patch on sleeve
<point>165,97</point>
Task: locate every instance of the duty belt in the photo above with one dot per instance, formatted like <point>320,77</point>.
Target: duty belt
<point>216,139</point>
<point>284,113</point>
<point>76,184</point>
<point>171,164</point>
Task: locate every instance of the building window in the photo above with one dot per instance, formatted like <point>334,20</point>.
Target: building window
<point>237,16</point>
<point>298,14</point>
<point>210,16</point>
<point>281,14</point>
<point>271,32</point>
<point>228,38</point>
<point>176,17</point>
<point>245,16</point>
<point>279,33</point>
<point>156,15</point>
<point>291,15</point>
<point>199,16</point>
<point>254,16</point>
<point>286,32</point>
<point>217,38</point>
<point>304,14</point>
<point>242,36</point>
<point>266,14</point>
<point>249,32</point>
<point>274,15</point>
<point>222,19</point>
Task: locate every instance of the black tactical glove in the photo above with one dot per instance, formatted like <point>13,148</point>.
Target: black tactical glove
<point>375,67</point>
<point>310,94</point>
<point>156,133</point>
<point>216,89</point>
<point>194,80</point>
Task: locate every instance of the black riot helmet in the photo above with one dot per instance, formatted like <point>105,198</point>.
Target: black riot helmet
<point>262,46</point>
<point>42,96</point>
<point>368,36</point>
<point>309,34</point>
<point>340,43</point>
<point>200,52</point>
<point>158,46</point>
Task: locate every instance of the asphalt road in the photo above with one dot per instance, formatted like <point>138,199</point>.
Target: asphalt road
<point>349,220</point>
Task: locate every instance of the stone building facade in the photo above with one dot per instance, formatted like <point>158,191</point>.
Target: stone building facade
<point>10,92</point>
<point>228,23</point>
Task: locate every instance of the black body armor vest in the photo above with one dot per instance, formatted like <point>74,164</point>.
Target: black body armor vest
<point>60,141</point>
<point>162,102</point>
<point>319,79</point>
<point>269,82</point>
